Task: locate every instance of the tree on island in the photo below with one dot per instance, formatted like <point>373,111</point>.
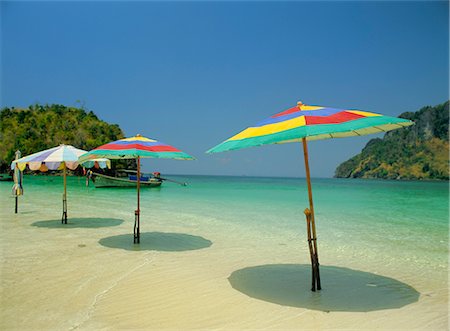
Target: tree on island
<point>420,151</point>
<point>40,127</point>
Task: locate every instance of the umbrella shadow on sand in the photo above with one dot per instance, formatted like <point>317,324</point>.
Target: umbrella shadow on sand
<point>343,289</point>
<point>91,222</point>
<point>157,241</point>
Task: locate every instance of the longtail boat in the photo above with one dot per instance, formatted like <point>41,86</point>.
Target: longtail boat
<point>101,180</point>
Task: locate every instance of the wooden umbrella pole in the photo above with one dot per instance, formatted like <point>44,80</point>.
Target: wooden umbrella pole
<point>311,250</point>
<point>16,182</point>
<point>64,216</point>
<point>311,207</point>
<point>138,211</point>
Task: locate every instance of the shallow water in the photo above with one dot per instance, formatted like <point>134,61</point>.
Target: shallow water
<point>199,242</point>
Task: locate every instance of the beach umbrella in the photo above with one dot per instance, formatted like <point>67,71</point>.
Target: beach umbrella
<point>61,157</point>
<point>301,124</point>
<point>136,147</point>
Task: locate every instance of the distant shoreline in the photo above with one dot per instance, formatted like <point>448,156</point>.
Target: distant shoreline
<point>59,174</point>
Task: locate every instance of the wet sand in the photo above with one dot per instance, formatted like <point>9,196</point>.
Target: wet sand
<point>65,279</point>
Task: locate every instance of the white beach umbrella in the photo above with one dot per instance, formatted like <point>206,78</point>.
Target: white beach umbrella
<point>61,157</point>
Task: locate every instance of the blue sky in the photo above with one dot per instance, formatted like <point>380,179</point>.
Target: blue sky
<point>192,74</point>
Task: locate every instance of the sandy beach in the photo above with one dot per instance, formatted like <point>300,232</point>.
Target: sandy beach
<point>198,273</point>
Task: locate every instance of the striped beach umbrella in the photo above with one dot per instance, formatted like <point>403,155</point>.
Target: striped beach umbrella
<point>61,157</point>
<point>302,123</point>
<point>136,147</point>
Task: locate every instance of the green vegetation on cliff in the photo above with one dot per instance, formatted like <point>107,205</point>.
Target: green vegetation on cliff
<point>40,127</point>
<point>420,151</point>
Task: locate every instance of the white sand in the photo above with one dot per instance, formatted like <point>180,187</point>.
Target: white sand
<point>64,279</point>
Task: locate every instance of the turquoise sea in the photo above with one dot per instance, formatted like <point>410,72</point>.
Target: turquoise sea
<point>386,220</point>
<point>394,229</point>
<point>369,215</point>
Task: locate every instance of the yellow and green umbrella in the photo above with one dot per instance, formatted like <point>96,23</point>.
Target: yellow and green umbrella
<point>300,124</point>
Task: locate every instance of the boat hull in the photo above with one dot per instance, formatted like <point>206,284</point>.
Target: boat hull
<point>101,181</point>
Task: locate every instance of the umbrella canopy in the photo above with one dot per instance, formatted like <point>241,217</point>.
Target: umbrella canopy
<point>311,123</point>
<point>302,123</point>
<point>56,158</point>
<point>136,147</point>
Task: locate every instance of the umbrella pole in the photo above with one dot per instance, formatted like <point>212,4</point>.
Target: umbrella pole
<point>64,215</point>
<point>311,249</point>
<point>138,211</point>
<point>16,183</point>
<point>311,208</point>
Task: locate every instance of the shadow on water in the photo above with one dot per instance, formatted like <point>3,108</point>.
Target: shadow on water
<point>79,223</point>
<point>157,241</point>
<point>342,289</point>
